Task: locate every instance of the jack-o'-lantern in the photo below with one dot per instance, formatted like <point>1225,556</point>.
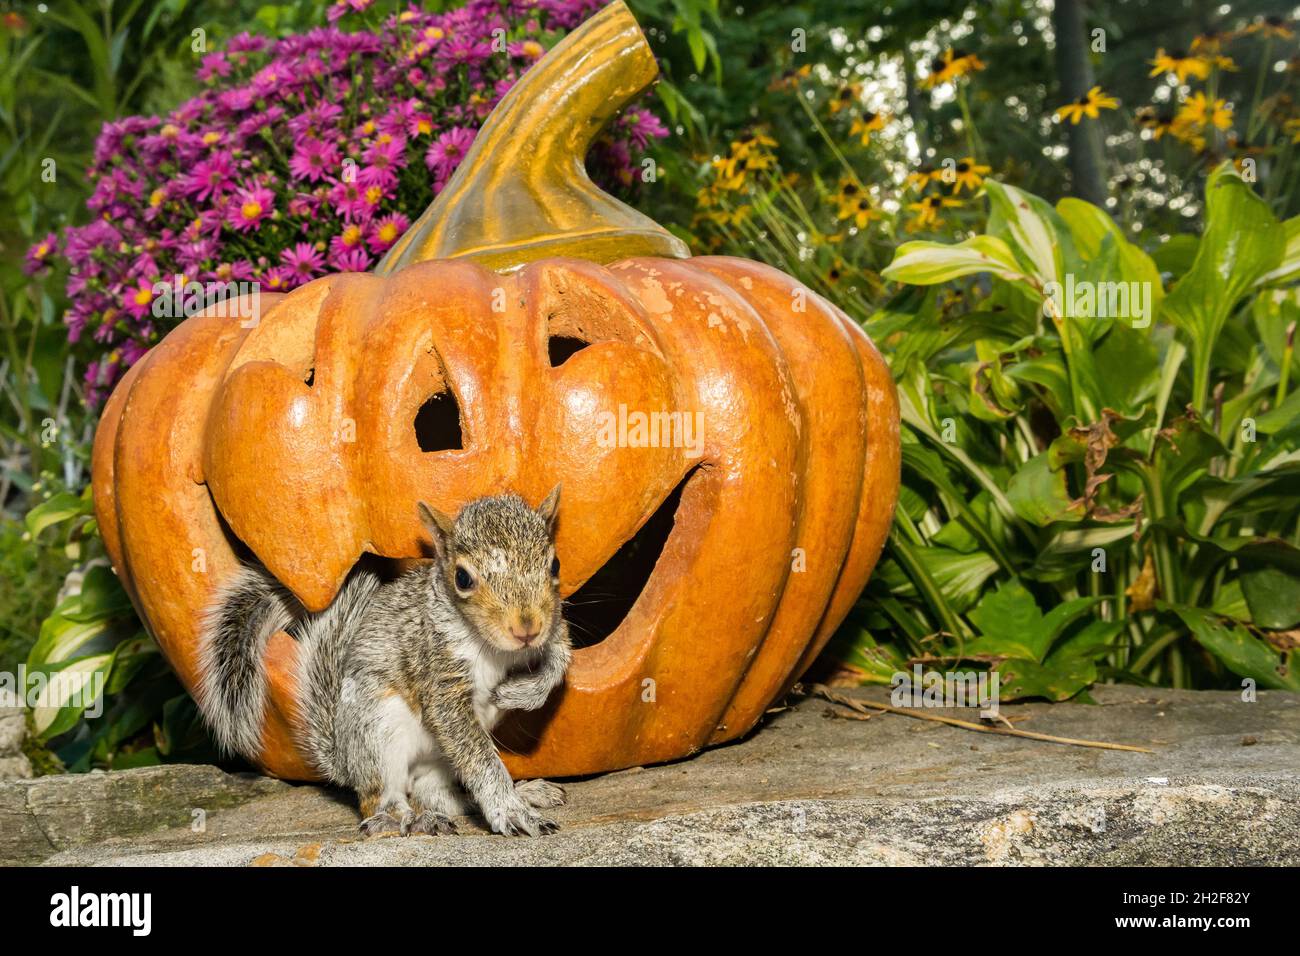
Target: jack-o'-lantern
<point>727,441</point>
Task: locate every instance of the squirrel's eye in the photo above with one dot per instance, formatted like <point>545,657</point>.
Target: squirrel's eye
<point>464,580</point>
<point>555,567</point>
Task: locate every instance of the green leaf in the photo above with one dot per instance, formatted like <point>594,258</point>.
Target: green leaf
<point>1039,494</point>
<point>1273,595</point>
<point>72,688</point>
<point>1033,225</point>
<point>1055,680</point>
<point>61,507</point>
<point>1242,243</point>
<point>928,263</point>
<point>1240,651</point>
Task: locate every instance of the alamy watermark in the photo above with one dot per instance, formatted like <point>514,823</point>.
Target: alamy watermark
<point>179,299</point>
<point>922,688</point>
<point>66,688</point>
<point>626,429</point>
<point>1130,301</point>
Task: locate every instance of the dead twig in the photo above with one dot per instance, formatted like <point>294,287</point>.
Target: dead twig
<point>861,707</point>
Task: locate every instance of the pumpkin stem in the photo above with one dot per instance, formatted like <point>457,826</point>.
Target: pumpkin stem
<point>522,192</point>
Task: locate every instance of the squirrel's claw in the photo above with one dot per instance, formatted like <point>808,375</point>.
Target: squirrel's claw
<point>433,823</point>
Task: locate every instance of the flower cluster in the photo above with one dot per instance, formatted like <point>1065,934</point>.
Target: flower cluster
<point>1201,119</point>
<point>302,156</point>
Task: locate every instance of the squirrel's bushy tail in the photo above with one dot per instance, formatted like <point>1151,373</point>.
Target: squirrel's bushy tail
<point>324,642</point>
<point>231,691</point>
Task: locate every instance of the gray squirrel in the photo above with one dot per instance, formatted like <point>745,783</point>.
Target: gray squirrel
<point>401,682</point>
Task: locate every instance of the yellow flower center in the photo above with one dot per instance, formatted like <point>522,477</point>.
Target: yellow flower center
<point>143,296</point>
<point>251,209</point>
<point>351,235</point>
<point>156,197</point>
<point>388,232</point>
<point>210,138</point>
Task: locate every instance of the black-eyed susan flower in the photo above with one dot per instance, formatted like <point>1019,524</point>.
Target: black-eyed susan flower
<point>1159,122</point>
<point>1179,63</point>
<point>969,174</point>
<point>861,211</point>
<point>1218,61</point>
<point>1211,41</point>
<point>845,97</point>
<point>1089,105</point>
<point>746,155</point>
<point>1272,27</point>
<point>849,192</point>
<point>928,210</point>
<point>950,65</point>
<point>866,124</point>
<point>1201,111</point>
<point>789,80</point>
<point>921,177</point>
<point>836,271</point>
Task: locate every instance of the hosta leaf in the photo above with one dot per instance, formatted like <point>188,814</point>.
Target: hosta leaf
<point>72,687</point>
<point>61,507</point>
<point>1288,267</point>
<point>1242,243</point>
<point>928,263</point>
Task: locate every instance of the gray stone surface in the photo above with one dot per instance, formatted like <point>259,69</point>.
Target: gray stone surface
<point>1223,787</point>
<point>13,730</point>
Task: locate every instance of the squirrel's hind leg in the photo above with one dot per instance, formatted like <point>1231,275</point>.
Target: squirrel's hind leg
<point>436,798</point>
<point>396,744</point>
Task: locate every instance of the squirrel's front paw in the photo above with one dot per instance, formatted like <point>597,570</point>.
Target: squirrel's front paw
<point>521,693</point>
<point>515,817</point>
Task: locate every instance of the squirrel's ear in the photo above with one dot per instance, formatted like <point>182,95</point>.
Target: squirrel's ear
<point>549,508</point>
<point>437,524</point>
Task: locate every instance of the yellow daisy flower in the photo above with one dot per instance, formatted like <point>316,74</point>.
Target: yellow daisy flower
<point>866,124</point>
<point>918,179</point>
<point>1089,105</point>
<point>1159,123</point>
<point>1180,64</point>
<point>969,174</point>
<point>928,210</point>
<point>949,66</point>
<point>845,97</point>
<point>861,212</point>
<point>1272,27</point>
<point>1200,110</point>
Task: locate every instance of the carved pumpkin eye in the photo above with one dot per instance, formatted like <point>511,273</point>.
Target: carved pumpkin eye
<point>464,579</point>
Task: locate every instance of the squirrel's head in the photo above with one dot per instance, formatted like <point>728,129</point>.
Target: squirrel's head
<point>498,561</point>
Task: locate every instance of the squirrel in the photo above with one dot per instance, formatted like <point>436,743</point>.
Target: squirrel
<point>401,682</point>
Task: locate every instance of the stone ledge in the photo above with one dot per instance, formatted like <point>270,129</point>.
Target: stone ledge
<point>1223,788</point>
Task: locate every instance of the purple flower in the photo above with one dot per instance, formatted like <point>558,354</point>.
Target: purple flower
<point>249,207</point>
<point>293,159</point>
<point>312,160</point>
<point>212,177</point>
<point>38,256</point>
<point>386,231</point>
<point>303,262</point>
<point>445,153</point>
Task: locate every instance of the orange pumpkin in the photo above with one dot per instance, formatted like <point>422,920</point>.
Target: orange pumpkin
<point>727,440</point>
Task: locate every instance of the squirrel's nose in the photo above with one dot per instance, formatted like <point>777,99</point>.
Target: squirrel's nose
<point>524,636</point>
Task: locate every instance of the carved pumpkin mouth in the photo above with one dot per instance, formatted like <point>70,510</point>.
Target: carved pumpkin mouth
<point>598,608</point>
